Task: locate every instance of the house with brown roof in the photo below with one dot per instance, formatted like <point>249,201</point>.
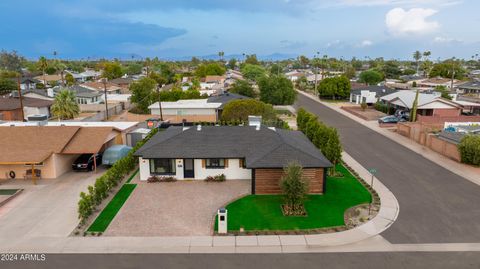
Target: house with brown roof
<point>112,88</point>
<point>49,150</point>
<point>11,109</point>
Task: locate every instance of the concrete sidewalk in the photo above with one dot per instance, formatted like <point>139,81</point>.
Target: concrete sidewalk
<point>468,172</point>
<point>365,235</point>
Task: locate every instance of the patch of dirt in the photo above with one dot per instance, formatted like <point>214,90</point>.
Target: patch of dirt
<point>358,215</point>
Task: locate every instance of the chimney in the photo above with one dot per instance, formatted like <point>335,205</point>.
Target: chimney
<point>199,127</point>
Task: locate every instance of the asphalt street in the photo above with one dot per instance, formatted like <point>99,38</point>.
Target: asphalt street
<point>436,205</point>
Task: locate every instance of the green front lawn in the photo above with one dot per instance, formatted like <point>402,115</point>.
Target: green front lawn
<point>8,191</point>
<point>110,211</point>
<point>263,212</point>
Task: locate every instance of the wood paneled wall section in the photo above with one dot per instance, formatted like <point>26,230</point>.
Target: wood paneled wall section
<point>267,181</point>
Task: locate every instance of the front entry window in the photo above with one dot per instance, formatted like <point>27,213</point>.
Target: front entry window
<point>162,166</point>
<point>215,163</point>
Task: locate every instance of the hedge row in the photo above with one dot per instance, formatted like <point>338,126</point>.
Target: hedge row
<point>99,191</point>
<point>469,149</point>
<point>323,137</point>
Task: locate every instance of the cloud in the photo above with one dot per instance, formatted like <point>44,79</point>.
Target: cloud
<point>443,40</point>
<point>401,22</point>
<point>289,44</point>
<point>365,43</point>
<point>360,3</point>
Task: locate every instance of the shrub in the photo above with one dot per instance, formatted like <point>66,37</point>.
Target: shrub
<point>294,187</point>
<point>107,181</point>
<point>469,149</point>
<point>153,179</point>
<point>364,106</point>
<point>217,178</point>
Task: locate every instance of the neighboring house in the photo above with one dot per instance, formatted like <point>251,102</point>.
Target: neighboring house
<point>49,149</point>
<point>84,96</point>
<point>122,82</point>
<point>434,82</point>
<point>122,128</point>
<point>224,99</point>
<point>34,93</point>
<point>369,94</point>
<point>87,75</point>
<point>212,84</point>
<point>196,110</point>
<point>255,153</point>
<point>428,104</point>
<point>50,79</point>
<point>295,75</point>
<point>27,83</point>
<point>11,108</point>
<point>112,88</point>
<point>472,88</point>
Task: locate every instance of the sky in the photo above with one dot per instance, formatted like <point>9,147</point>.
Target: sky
<point>180,29</point>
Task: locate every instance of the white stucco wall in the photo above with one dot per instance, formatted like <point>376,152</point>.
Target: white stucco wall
<point>233,171</point>
<point>144,168</point>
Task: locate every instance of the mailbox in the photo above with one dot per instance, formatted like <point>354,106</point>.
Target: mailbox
<point>222,220</point>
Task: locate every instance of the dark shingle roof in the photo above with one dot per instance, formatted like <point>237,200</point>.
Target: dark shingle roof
<point>379,90</point>
<point>264,148</point>
<point>225,98</point>
<point>471,85</point>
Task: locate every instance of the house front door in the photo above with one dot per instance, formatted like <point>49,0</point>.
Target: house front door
<point>188,168</point>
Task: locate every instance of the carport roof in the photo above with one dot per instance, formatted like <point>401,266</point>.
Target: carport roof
<point>264,148</point>
<point>34,144</point>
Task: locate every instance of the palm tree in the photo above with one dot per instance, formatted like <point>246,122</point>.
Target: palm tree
<point>417,55</point>
<point>221,54</point>
<point>43,65</point>
<point>148,63</point>
<point>64,106</point>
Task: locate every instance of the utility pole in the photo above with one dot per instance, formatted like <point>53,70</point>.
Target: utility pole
<point>159,102</point>
<point>20,97</point>
<point>316,69</point>
<point>105,92</point>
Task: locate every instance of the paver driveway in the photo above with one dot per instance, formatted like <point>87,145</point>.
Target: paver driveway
<point>181,208</point>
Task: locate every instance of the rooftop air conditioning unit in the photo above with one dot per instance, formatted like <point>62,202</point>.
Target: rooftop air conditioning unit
<point>40,119</point>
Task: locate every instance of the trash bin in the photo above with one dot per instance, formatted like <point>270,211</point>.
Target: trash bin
<point>222,220</point>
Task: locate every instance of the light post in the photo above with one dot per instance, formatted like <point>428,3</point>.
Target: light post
<point>372,171</point>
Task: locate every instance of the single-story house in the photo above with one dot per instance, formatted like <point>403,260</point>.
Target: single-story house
<point>122,82</point>
<point>27,83</point>
<point>470,88</point>
<point>369,94</point>
<point>86,75</point>
<point>49,149</point>
<point>83,95</point>
<point>224,99</point>
<point>428,104</point>
<point>438,81</point>
<point>255,153</point>
<point>49,79</point>
<point>196,110</point>
<point>112,88</point>
<point>190,110</point>
<point>11,109</point>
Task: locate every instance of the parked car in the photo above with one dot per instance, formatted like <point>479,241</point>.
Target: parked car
<point>115,153</point>
<point>86,162</point>
<point>390,119</point>
<point>403,114</point>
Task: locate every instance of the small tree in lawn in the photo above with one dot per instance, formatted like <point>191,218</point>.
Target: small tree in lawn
<point>294,187</point>
<point>363,105</point>
<point>333,149</point>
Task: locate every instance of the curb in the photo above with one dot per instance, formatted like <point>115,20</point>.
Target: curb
<point>11,197</point>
